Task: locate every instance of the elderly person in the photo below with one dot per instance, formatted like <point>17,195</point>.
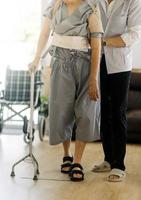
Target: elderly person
<point>74,94</point>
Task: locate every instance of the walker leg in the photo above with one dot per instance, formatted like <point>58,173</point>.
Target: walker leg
<point>37,169</point>
<point>31,135</point>
<point>13,167</point>
<point>34,162</point>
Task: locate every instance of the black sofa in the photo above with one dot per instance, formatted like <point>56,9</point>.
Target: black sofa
<point>134,108</point>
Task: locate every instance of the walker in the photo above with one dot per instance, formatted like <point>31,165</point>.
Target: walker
<point>31,132</point>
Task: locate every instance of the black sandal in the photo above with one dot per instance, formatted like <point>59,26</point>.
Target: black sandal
<point>67,162</point>
<point>76,171</point>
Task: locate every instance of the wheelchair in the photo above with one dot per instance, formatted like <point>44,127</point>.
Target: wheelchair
<point>17,92</point>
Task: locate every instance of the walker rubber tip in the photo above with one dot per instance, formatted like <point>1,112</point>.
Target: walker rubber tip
<point>12,174</point>
<point>35,178</point>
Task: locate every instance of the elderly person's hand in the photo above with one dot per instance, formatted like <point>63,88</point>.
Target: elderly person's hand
<point>93,90</point>
<point>33,66</point>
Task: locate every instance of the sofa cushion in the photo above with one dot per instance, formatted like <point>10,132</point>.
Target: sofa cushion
<point>134,100</point>
<point>135,83</point>
<point>134,121</point>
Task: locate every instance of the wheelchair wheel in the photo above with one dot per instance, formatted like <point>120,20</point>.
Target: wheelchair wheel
<point>42,127</point>
<point>1,118</point>
<point>25,124</point>
<point>27,139</point>
<point>1,125</point>
<point>26,134</point>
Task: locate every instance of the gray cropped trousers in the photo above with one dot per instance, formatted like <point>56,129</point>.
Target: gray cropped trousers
<point>69,102</point>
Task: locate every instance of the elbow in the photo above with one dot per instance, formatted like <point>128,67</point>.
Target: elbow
<point>131,38</point>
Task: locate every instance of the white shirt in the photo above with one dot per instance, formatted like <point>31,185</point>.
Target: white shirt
<point>110,7</point>
<point>133,34</point>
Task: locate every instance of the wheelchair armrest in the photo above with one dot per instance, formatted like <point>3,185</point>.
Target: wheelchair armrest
<point>39,83</point>
<point>2,94</point>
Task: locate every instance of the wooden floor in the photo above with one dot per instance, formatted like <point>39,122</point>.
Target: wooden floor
<point>52,185</point>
